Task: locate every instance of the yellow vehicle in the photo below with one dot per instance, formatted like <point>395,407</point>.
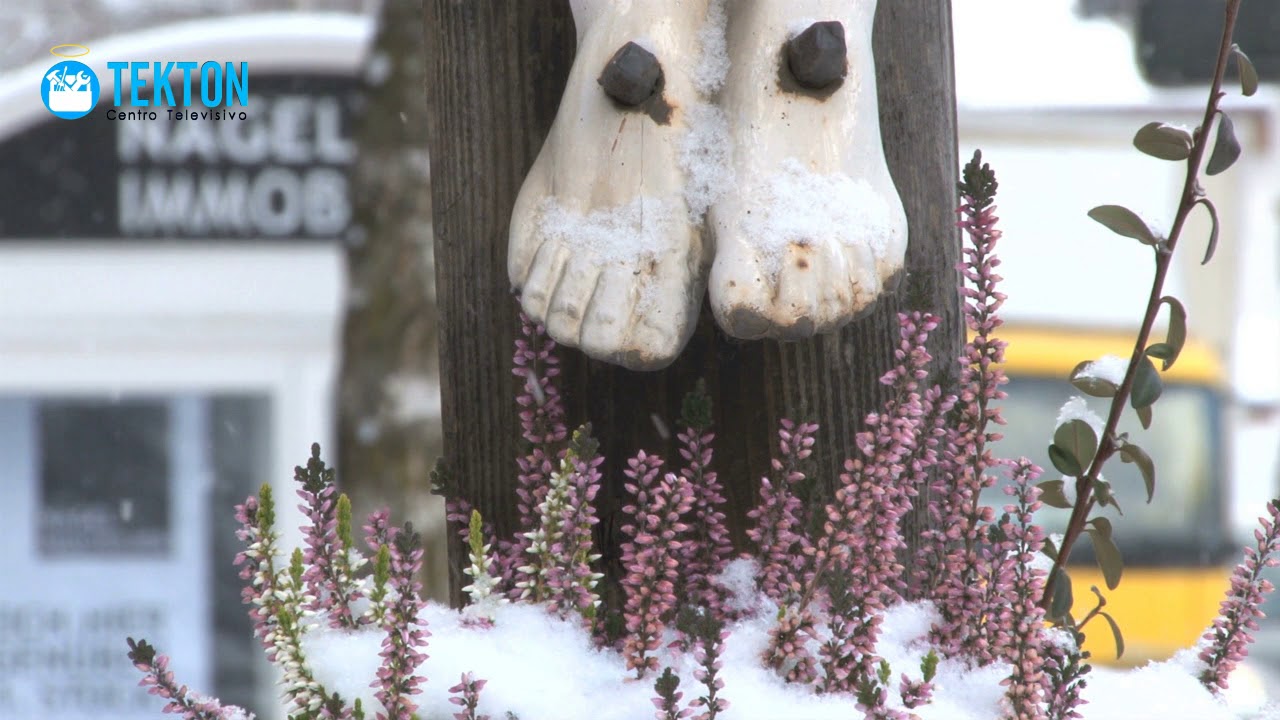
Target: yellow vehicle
<point>1178,550</point>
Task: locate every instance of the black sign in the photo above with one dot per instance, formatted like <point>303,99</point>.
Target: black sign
<point>278,173</point>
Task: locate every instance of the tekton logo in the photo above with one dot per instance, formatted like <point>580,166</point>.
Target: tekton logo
<point>71,89</point>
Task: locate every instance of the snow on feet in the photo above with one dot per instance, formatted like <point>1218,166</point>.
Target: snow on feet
<point>606,243</point>
<point>815,231</point>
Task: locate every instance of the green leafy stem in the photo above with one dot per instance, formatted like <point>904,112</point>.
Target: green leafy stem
<point>1075,447</point>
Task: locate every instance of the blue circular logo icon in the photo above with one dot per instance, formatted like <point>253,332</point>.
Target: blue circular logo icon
<point>70,90</point>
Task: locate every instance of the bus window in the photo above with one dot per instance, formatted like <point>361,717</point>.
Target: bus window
<point>1176,549</point>
<point>1184,524</point>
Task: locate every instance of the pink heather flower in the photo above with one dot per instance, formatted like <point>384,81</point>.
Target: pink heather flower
<point>276,598</point>
<point>377,535</point>
<point>257,560</point>
<point>457,513</point>
<point>573,579</point>
<point>856,559</point>
<point>918,693</point>
<point>650,558</point>
<point>330,574</point>
<point>780,517</point>
<point>560,547</point>
<point>377,530</point>
<point>542,427</point>
<point>706,631</point>
<point>914,693</point>
<point>397,678</point>
<point>158,680</point>
<point>1226,643</point>
<point>953,556</point>
<point>467,694</point>
<point>1020,587</point>
<point>668,697</point>
<point>1064,671</point>
<point>842,657</point>
<point>788,650</point>
<point>925,458</point>
<point>709,548</point>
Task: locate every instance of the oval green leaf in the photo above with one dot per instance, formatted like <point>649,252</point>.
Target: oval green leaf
<point>1115,633</point>
<point>1123,221</point>
<point>1062,597</point>
<point>1133,454</point>
<point>1102,524</point>
<point>1213,231</point>
<point>1064,461</point>
<point>1053,493</point>
<point>1095,387</point>
<point>1226,148</point>
<point>1108,555</point>
<point>1163,141</point>
<point>1177,335</point>
<point>1146,386</point>
<point>1248,74</point>
<point>1077,438</point>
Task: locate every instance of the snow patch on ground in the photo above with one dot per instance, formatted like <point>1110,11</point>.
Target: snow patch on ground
<point>543,668</point>
<point>1158,690</point>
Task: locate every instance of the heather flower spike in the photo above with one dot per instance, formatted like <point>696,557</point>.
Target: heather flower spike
<point>709,547</point>
<point>862,536</point>
<point>955,546</point>
<point>483,583</point>
<point>466,694</point>
<point>330,573</point>
<point>1021,586</point>
<point>277,599</point>
<point>542,425</point>
<point>707,633</point>
<point>788,650</point>
<point>1065,667</point>
<point>401,650</point>
<point>559,570</point>
<point>650,557</point>
<point>1226,643</point>
<point>780,518</point>
<point>158,680</point>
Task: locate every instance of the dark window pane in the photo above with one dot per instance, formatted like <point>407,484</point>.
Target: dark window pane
<point>104,478</point>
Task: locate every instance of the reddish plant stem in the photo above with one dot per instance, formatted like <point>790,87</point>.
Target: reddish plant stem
<point>1191,194</point>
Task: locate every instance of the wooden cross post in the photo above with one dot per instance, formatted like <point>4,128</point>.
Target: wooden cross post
<point>496,70</point>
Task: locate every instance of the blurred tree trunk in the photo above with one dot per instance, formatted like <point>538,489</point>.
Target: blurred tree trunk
<point>388,393</point>
<point>497,69</point>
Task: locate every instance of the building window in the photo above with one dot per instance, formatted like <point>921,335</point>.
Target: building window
<point>104,478</point>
